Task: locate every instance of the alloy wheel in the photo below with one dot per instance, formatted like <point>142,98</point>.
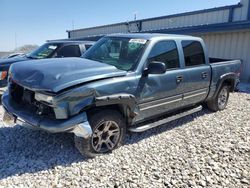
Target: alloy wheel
<point>105,136</point>
<point>222,98</point>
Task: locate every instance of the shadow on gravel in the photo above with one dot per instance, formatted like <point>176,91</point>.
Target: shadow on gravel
<point>25,150</point>
<point>137,137</point>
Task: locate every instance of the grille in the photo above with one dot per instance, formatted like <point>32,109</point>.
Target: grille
<point>26,98</point>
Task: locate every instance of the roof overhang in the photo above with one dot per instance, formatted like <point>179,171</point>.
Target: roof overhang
<point>222,27</point>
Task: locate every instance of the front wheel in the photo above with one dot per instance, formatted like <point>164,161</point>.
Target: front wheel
<point>108,128</point>
<point>220,101</point>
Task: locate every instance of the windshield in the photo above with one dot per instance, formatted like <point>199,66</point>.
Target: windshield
<point>123,53</point>
<point>44,51</point>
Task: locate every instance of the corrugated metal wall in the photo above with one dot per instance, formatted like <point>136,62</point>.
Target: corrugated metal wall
<point>96,31</point>
<point>206,17</point>
<point>220,16</point>
<point>231,45</point>
<point>214,17</point>
<point>241,13</point>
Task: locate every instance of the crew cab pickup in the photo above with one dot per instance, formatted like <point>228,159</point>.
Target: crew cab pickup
<point>51,49</point>
<point>124,82</point>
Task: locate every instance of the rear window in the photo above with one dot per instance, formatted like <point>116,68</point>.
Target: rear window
<point>165,52</point>
<point>193,53</point>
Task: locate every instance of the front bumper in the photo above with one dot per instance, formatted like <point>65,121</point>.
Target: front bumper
<point>3,86</point>
<point>2,90</point>
<point>78,124</point>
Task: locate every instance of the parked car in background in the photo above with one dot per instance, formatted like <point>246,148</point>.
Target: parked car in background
<point>124,82</point>
<point>13,55</point>
<point>51,49</point>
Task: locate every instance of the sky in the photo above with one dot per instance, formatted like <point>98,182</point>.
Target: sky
<point>35,21</point>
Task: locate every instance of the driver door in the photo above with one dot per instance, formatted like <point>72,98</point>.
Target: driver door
<point>162,92</point>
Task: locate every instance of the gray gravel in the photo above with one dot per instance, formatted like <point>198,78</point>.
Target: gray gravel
<point>203,150</point>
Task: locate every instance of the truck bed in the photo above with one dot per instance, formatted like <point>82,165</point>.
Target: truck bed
<point>217,60</point>
<point>221,67</point>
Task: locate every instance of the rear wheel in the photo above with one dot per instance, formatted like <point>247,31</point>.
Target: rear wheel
<point>221,99</point>
<point>108,133</point>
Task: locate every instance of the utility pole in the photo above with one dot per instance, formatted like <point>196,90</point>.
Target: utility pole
<point>73,25</point>
<point>73,28</point>
<point>135,15</point>
<point>15,42</point>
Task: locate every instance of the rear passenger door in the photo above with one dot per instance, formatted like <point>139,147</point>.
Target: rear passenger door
<point>197,72</point>
<point>162,92</point>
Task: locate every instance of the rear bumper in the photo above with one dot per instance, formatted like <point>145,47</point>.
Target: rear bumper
<point>78,124</point>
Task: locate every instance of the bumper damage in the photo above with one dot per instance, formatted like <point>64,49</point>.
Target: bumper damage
<point>15,113</point>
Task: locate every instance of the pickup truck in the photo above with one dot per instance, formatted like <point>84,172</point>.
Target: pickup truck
<point>51,49</point>
<point>124,82</point>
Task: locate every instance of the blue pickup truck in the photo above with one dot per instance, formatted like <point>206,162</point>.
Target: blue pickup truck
<point>124,82</point>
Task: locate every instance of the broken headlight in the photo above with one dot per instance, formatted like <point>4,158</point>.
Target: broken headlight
<point>43,97</point>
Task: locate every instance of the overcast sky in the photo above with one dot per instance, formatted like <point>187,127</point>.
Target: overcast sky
<point>35,21</point>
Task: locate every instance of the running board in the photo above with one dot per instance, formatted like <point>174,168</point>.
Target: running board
<point>164,121</point>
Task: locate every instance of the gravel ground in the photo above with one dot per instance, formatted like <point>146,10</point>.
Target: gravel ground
<point>203,150</point>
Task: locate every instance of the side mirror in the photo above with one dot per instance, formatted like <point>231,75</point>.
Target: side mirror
<point>156,67</point>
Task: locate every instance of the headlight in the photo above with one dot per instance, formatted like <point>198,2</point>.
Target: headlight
<point>43,97</point>
<point>3,75</point>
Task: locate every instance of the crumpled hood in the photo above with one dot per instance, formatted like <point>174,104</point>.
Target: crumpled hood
<point>60,73</point>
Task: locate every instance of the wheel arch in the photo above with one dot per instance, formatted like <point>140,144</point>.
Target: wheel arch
<point>226,79</point>
<point>124,103</point>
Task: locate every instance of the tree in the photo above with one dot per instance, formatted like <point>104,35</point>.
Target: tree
<point>26,48</point>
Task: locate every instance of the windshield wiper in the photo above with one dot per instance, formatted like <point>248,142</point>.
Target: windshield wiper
<point>93,59</point>
<point>30,57</point>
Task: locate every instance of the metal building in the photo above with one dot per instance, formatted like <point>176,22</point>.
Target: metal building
<point>226,30</point>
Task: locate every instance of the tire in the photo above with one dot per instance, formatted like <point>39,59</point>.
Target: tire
<point>108,128</point>
<point>220,101</point>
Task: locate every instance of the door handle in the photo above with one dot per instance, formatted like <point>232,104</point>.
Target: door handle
<point>179,79</point>
<point>204,75</point>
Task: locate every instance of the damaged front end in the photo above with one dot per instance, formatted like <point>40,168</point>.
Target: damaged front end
<point>57,95</point>
<point>52,113</point>
<point>65,111</point>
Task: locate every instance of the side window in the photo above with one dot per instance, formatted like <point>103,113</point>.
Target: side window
<point>69,51</point>
<point>166,52</point>
<point>193,53</point>
<point>87,46</point>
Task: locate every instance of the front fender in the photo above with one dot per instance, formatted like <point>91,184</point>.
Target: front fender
<point>126,100</point>
<point>77,103</point>
<point>116,99</point>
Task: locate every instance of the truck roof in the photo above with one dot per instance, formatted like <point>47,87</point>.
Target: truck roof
<point>70,41</point>
<point>150,36</point>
